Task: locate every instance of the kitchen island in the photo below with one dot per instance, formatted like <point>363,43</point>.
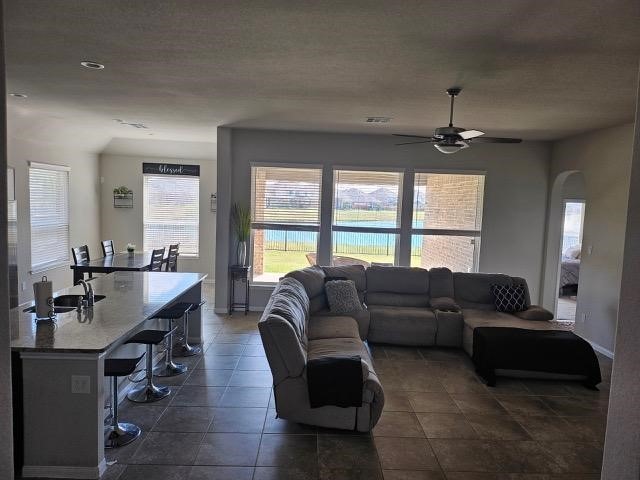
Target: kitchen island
<point>60,366</point>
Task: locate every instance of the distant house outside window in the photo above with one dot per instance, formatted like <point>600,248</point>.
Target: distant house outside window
<point>285,220</point>
<point>49,215</point>
<point>171,212</point>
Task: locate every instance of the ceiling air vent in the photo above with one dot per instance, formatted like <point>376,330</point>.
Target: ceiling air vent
<point>378,119</point>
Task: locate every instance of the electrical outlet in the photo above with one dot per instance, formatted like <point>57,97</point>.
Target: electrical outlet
<point>80,384</point>
<point>24,286</point>
<point>584,317</point>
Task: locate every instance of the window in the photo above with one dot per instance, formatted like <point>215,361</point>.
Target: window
<point>49,213</point>
<point>447,219</point>
<point>285,219</point>
<point>171,212</point>
<point>366,216</point>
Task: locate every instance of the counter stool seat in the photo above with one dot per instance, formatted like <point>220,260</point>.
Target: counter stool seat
<point>119,433</point>
<point>184,349</point>
<point>149,392</point>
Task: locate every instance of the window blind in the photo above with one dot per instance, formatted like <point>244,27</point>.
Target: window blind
<point>171,212</point>
<point>286,198</point>
<point>49,216</point>
<point>366,200</point>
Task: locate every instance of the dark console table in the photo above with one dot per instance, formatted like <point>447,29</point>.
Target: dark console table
<point>238,272</point>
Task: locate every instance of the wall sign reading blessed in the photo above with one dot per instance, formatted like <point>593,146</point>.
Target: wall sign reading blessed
<point>171,169</point>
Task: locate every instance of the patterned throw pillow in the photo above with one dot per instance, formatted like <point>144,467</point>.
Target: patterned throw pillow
<point>342,296</point>
<point>509,298</point>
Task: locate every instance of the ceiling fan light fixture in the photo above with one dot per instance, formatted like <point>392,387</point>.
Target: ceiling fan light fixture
<point>449,148</point>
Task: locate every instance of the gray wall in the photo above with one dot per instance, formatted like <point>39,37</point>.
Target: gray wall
<point>125,225</point>
<point>604,158</point>
<point>515,190</point>
<point>6,414</point>
<point>25,145</point>
<point>622,443</point>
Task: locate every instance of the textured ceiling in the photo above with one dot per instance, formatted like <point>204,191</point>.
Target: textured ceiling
<point>539,70</point>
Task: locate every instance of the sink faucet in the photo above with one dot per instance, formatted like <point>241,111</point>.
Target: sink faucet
<point>88,293</point>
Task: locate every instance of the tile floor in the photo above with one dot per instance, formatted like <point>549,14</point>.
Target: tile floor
<point>439,423</point>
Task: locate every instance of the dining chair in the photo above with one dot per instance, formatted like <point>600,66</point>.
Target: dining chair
<point>157,259</point>
<point>81,255</point>
<point>172,258</point>
<point>107,247</point>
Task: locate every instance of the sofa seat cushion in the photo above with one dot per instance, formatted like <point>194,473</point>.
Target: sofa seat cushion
<point>402,325</point>
<point>361,317</point>
<point>483,318</point>
<point>341,347</point>
<point>332,327</point>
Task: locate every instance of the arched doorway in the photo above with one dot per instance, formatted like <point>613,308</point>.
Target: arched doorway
<point>567,207</point>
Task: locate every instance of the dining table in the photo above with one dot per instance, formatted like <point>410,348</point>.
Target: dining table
<point>119,262</point>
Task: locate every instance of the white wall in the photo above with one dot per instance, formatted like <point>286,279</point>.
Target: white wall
<point>84,224</point>
<point>604,158</point>
<point>124,225</point>
<point>515,190</point>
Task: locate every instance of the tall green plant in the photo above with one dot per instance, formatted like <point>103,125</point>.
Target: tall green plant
<point>241,217</point>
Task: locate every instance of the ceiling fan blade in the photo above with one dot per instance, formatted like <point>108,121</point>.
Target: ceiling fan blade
<point>431,140</point>
<point>495,140</point>
<point>467,134</point>
<point>410,136</point>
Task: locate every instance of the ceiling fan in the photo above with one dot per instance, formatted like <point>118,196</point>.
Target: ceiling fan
<point>453,139</point>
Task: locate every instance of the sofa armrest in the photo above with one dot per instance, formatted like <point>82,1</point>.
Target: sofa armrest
<point>446,304</point>
<point>535,312</point>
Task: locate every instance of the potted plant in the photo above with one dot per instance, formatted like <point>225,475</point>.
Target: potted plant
<point>131,247</point>
<point>122,191</point>
<point>241,217</point>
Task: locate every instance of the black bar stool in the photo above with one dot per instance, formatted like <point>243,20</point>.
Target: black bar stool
<point>170,368</point>
<point>149,392</point>
<point>118,433</point>
<point>184,349</point>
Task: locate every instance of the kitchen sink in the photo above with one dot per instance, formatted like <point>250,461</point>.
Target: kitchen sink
<point>66,303</point>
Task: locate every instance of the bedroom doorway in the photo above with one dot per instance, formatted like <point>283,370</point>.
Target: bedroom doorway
<point>570,256</point>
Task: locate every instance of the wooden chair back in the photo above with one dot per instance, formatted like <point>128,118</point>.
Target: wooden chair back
<point>107,247</point>
<point>157,259</point>
<point>172,258</point>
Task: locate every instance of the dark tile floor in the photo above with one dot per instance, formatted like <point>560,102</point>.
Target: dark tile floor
<point>439,423</point>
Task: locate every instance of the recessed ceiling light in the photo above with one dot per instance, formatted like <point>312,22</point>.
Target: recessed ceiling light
<point>130,124</point>
<point>92,65</point>
<point>18,95</point>
<point>378,119</point>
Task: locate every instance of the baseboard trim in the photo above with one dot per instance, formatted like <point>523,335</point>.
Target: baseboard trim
<point>225,311</point>
<point>601,349</point>
<point>60,471</point>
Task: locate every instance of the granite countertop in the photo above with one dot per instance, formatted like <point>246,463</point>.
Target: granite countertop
<point>131,298</point>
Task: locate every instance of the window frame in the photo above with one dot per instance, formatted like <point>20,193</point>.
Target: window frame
<point>280,227</point>
<point>476,234</point>
<point>397,230</point>
<point>43,267</point>
<point>144,222</point>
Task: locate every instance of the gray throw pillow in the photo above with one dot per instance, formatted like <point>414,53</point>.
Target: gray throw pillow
<point>342,296</point>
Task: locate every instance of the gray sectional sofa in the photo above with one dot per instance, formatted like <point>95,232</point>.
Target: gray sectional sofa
<point>400,306</point>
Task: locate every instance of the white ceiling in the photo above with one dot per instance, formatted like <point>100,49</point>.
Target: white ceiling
<point>539,70</point>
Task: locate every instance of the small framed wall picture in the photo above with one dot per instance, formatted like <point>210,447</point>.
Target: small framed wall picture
<point>11,184</point>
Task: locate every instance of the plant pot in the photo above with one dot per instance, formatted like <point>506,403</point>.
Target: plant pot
<point>241,253</point>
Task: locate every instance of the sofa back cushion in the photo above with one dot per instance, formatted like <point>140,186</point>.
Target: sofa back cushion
<point>312,279</point>
<point>283,329</point>
<point>440,283</point>
<point>473,290</point>
<point>356,273</point>
<point>398,286</point>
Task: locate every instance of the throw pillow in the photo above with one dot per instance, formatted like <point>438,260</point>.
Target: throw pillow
<point>509,298</point>
<point>342,296</point>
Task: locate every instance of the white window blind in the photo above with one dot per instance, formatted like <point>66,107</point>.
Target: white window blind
<point>171,212</point>
<point>49,214</point>
<point>287,198</point>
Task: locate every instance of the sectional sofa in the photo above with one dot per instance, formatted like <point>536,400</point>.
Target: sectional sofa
<point>400,306</point>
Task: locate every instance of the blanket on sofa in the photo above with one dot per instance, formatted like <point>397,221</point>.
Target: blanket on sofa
<point>335,381</point>
<point>550,351</point>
